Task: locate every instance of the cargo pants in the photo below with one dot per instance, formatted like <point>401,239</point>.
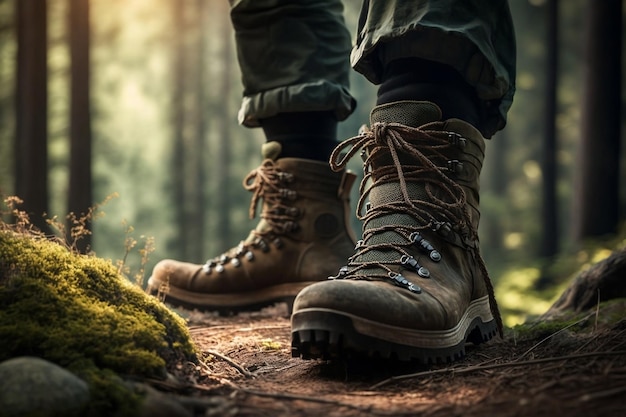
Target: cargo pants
<point>296,55</point>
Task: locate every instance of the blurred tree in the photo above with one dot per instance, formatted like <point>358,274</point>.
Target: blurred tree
<point>188,106</point>
<point>223,158</point>
<point>497,177</point>
<point>549,224</point>
<point>198,145</point>
<point>80,196</point>
<point>178,124</point>
<point>7,100</point>
<point>596,204</point>
<point>31,132</point>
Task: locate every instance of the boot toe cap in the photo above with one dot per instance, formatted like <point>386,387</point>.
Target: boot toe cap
<point>377,301</point>
<point>173,273</point>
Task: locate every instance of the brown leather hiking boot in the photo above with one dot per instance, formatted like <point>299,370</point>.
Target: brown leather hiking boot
<point>303,236</point>
<point>417,287</point>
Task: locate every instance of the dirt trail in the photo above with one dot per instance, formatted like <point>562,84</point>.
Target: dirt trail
<point>580,373</point>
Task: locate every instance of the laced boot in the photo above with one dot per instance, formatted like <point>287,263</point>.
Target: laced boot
<point>303,236</point>
<point>416,287</point>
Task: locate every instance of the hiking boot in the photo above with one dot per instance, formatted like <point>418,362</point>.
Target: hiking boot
<point>416,287</point>
<point>303,236</point>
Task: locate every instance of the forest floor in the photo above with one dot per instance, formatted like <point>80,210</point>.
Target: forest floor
<point>246,369</point>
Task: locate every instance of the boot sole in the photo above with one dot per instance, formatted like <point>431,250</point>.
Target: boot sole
<point>329,334</point>
<point>232,302</point>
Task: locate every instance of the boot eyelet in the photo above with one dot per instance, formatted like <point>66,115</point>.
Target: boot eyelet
<point>235,262</point>
<point>443,228</point>
<point>206,268</point>
<point>249,256</point>
<point>343,271</point>
<point>219,268</point>
<point>409,260</point>
<point>400,280</point>
<point>285,177</point>
<point>423,272</point>
<point>415,237</point>
<point>457,139</point>
<point>455,166</point>
<point>263,245</point>
<point>288,194</point>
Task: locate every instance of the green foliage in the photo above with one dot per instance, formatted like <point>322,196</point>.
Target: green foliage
<point>517,297</point>
<point>78,312</point>
<point>523,293</point>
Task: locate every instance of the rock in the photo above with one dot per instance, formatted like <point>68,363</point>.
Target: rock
<point>38,388</point>
<point>158,404</point>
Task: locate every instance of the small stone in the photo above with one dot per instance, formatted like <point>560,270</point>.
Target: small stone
<point>158,404</point>
<point>35,387</point>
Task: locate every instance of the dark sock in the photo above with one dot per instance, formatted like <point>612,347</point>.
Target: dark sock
<point>308,135</point>
<point>423,80</point>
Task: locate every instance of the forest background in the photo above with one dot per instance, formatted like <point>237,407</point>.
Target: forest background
<point>163,90</point>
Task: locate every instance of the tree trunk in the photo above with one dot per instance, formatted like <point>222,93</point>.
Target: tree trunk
<point>80,196</point>
<point>224,144</point>
<point>497,180</point>
<point>197,151</point>
<point>31,132</point>
<point>597,184</point>
<point>178,124</point>
<point>549,223</point>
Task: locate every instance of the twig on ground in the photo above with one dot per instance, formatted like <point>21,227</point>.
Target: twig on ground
<point>476,368</point>
<point>231,362</point>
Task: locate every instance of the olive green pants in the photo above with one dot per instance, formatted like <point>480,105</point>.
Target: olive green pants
<point>296,55</point>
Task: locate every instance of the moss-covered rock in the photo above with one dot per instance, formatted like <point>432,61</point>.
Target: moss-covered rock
<point>76,311</point>
<point>37,388</point>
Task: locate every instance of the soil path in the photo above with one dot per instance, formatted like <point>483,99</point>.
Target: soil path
<point>579,371</point>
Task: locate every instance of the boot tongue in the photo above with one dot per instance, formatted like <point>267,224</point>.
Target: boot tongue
<point>408,113</point>
<point>412,114</point>
<point>271,150</point>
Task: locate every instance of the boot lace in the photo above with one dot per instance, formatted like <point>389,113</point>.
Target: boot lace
<point>442,196</point>
<point>269,184</point>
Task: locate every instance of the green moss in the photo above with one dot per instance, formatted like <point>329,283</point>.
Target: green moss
<point>76,311</point>
<point>541,329</point>
<point>607,315</point>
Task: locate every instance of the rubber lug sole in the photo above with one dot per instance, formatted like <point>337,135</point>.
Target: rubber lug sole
<point>223,309</point>
<point>329,335</point>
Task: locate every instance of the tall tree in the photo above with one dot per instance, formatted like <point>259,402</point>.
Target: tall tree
<point>597,182</point>
<point>178,124</point>
<point>80,196</point>
<point>549,223</point>
<point>497,182</point>
<point>197,150</point>
<point>223,159</point>
<point>189,128</point>
<point>31,132</point>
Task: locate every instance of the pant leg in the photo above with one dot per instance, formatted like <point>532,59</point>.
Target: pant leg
<point>294,56</point>
<point>475,37</point>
